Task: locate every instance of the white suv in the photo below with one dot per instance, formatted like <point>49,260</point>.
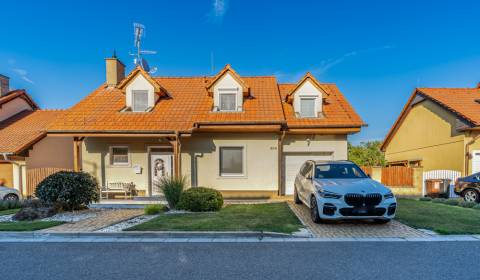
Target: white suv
<point>336,190</point>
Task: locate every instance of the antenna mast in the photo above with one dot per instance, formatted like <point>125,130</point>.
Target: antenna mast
<point>138,60</point>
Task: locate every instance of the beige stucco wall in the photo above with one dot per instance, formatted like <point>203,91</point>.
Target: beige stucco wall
<point>428,134</point>
<point>337,144</point>
<point>200,161</point>
<point>96,160</point>
<point>51,152</point>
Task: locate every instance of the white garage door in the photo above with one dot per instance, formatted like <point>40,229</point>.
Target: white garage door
<point>292,163</point>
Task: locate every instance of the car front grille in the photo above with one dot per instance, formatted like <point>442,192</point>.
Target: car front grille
<point>360,200</point>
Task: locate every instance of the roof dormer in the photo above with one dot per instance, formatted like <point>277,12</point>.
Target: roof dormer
<point>307,97</point>
<point>228,91</point>
<point>142,92</point>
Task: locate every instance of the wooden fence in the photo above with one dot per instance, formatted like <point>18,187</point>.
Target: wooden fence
<point>36,175</point>
<point>392,176</point>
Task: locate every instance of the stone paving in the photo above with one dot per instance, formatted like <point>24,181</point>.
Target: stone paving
<point>353,229</point>
<point>103,218</point>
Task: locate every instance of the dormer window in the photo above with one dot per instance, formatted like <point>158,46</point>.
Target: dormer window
<point>228,91</point>
<point>307,97</point>
<point>140,100</point>
<point>227,100</point>
<point>307,107</point>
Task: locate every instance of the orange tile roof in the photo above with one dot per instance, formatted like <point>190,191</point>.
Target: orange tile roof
<point>25,129</point>
<point>337,112</point>
<point>189,104</point>
<point>460,101</point>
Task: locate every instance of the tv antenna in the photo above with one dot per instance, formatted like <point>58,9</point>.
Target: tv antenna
<point>138,60</point>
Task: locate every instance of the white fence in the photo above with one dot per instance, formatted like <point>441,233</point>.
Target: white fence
<point>442,174</point>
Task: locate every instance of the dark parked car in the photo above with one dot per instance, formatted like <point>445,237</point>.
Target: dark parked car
<point>468,187</point>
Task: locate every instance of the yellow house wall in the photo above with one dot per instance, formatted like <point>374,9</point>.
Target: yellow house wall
<point>428,134</point>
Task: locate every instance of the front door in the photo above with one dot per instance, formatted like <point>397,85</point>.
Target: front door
<point>160,167</point>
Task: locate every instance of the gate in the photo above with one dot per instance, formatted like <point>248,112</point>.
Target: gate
<point>441,174</point>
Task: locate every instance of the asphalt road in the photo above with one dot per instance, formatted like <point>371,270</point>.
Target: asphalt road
<point>282,260</point>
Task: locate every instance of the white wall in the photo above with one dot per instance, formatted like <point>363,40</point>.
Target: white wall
<point>140,83</point>
<point>228,82</point>
<point>317,143</point>
<point>13,107</point>
<point>307,89</point>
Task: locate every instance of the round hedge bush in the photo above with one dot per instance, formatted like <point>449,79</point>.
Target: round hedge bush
<point>71,190</point>
<point>200,199</point>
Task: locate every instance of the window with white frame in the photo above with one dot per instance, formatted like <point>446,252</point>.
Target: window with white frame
<point>307,108</point>
<point>140,100</point>
<point>119,156</point>
<point>228,101</point>
<point>232,161</point>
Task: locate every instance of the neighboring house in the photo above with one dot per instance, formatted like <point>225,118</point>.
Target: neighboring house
<point>438,129</point>
<point>23,142</point>
<point>245,136</point>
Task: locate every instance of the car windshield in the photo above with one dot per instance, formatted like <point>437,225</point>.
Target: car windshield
<point>338,171</point>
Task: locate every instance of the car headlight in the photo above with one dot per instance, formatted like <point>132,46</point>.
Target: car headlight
<point>388,195</point>
<point>327,194</point>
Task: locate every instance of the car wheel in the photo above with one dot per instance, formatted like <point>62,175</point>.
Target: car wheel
<point>471,196</point>
<point>314,211</point>
<point>296,199</point>
<point>10,197</point>
<point>381,221</point>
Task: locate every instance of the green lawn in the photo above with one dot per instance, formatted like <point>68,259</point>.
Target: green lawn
<point>274,217</point>
<point>444,219</point>
<point>27,226</point>
<point>9,211</point>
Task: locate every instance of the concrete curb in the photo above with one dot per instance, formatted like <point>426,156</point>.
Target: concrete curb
<point>206,237</point>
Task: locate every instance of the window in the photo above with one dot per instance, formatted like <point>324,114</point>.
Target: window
<point>140,100</point>
<point>228,102</point>
<point>338,171</point>
<point>307,108</point>
<point>119,156</point>
<point>231,161</point>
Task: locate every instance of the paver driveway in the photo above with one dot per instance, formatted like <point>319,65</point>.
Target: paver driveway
<point>348,229</point>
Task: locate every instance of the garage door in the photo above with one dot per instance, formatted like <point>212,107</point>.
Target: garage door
<point>292,163</point>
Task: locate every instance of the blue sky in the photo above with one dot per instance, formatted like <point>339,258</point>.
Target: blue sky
<point>376,51</point>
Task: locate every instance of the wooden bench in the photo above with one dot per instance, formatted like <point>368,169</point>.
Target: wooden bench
<point>126,189</point>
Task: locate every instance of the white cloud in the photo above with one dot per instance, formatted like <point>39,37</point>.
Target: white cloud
<point>219,8</point>
<point>23,74</point>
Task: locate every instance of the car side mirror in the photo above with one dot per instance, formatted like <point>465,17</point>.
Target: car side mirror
<point>369,176</point>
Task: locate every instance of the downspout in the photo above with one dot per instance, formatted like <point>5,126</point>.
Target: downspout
<point>467,153</point>
<point>179,154</point>
<point>280,163</point>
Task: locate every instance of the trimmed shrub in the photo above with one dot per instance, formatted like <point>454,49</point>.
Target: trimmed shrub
<point>467,204</point>
<point>172,188</point>
<point>452,201</point>
<point>153,209</point>
<point>10,204</point>
<point>426,198</point>
<point>476,207</point>
<point>438,200</point>
<point>200,199</point>
<point>71,190</point>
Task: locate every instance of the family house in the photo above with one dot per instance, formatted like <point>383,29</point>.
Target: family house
<point>243,135</point>
<point>438,129</point>
<point>24,145</point>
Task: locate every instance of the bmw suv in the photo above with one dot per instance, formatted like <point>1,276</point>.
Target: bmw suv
<point>335,190</point>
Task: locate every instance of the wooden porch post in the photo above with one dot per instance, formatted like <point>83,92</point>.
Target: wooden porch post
<point>77,165</point>
<point>176,156</point>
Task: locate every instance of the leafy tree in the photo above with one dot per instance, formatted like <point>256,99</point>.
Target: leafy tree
<point>367,154</point>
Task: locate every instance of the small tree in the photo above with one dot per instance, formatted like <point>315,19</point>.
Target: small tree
<point>367,154</point>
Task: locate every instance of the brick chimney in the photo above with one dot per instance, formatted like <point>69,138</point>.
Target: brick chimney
<point>4,85</point>
<point>115,70</point>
